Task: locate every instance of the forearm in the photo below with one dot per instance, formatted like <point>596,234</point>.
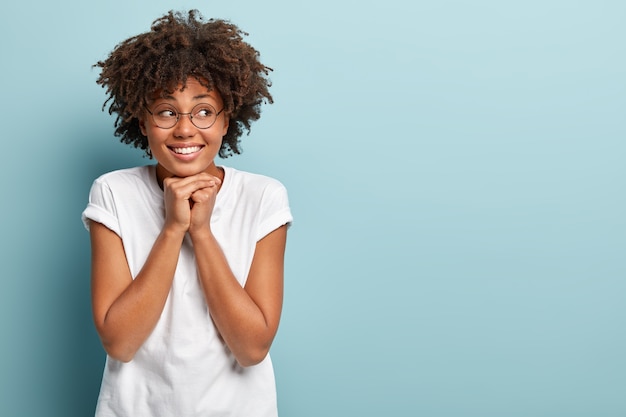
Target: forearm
<point>240,321</point>
<point>133,315</point>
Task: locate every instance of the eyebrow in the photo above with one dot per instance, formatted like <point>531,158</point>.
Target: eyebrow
<point>198,97</point>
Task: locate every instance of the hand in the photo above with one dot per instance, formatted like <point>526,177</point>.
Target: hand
<point>202,203</point>
<point>189,201</point>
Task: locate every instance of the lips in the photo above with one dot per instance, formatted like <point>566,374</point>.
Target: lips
<point>186,150</point>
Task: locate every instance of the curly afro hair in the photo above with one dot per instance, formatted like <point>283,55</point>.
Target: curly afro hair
<point>178,47</point>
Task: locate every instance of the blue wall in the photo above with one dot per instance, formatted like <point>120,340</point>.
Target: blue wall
<point>456,171</point>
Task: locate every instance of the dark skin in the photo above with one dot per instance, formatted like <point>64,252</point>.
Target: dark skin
<point>126,310</point>
<point>181,47</point>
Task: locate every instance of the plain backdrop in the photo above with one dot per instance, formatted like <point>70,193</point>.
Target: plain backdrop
<point>455,169</point>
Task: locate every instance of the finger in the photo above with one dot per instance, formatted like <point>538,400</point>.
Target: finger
<point>203,195</point>
<point>199,197</point>
<point>202,176</point>
<point>206,176</point>
<point>183,190</point>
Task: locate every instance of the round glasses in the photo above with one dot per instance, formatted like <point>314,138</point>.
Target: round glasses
<point>202,116</point>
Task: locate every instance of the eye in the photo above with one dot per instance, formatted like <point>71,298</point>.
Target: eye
<point>165,113</point>
<point>203,111</point>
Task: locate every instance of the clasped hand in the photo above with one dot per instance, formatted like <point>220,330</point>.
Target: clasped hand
<point>189,201</point>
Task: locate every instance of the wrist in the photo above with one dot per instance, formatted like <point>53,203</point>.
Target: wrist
<point>171,232</point>
<point>200,233</point>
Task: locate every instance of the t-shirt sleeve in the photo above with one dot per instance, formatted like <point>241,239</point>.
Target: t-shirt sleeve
<point>275,211</point>
<point>101,207</point>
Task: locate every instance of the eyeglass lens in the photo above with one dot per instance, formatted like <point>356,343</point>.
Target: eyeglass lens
<point>203,116</point>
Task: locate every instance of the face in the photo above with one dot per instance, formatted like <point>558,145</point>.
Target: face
<point>185,149</point>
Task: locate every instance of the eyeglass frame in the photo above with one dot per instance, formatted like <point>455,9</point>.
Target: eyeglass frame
<point>190,114</point>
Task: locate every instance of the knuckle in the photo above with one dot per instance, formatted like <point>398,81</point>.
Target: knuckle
<point>179,194</point>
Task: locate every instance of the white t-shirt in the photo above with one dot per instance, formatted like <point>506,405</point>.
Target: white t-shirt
<point>184,369</point>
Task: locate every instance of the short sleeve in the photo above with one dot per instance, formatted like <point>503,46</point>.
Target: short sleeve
<point>275,211</point>
<point>101,207</point>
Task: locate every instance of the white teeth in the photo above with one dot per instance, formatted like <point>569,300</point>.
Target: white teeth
<point>186,151</point>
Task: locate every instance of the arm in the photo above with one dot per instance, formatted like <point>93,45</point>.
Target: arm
<point>247,318</point>
<point>125,310</point>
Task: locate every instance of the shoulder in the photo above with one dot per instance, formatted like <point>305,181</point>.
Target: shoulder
<point>120,176</point>
<point>125,184</point>
<point>259,196</point>
<point>250,183</point>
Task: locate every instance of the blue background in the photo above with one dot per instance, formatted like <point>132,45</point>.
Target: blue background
<point>456,171</point>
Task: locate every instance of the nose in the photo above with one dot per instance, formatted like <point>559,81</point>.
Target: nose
<point>184,127</point>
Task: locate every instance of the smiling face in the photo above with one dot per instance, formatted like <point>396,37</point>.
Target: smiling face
<point>185,149</point>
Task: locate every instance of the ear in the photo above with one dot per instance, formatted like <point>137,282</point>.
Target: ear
<point>142,127</point>
<point>226,124</point>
